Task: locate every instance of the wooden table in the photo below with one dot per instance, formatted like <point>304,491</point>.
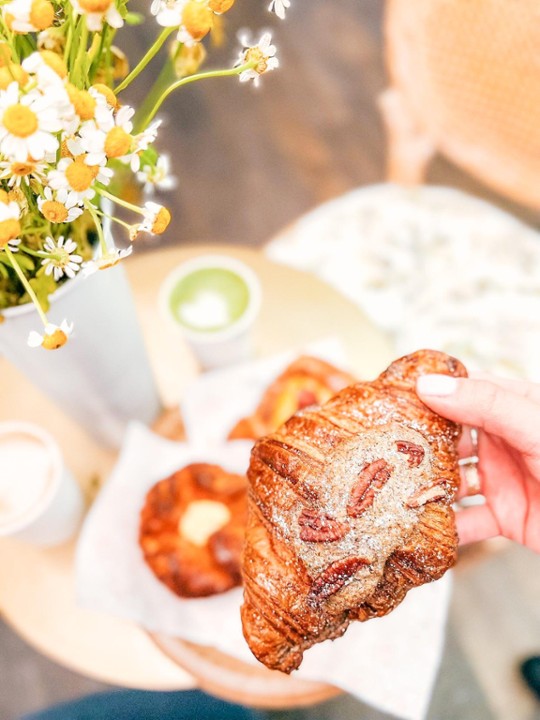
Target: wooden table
<point>37,594</point>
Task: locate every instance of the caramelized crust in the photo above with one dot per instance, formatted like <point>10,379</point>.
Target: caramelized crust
<point>187,568</point>
<point>307,381</point>
<point>349,508</point>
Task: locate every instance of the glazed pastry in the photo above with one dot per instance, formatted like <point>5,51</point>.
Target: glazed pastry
<point>349,507</point>
<point>306,381</point>
<point>192,529</point>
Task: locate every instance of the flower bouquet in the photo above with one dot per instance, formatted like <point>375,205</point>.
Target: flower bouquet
<point>66,135</point>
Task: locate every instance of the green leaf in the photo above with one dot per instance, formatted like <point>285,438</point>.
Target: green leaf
<point>43,286</point>
<point>25,262</point>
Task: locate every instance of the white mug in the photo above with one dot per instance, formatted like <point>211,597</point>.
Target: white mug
<point>233,343</point>
<point>40,501</point>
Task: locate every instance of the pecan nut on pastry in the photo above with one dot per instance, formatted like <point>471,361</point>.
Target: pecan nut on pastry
<point>192,530</point>
<point>349,507</point>
<point>307,381</point>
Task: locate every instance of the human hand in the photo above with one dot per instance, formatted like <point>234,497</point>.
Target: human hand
<point>507,415</point>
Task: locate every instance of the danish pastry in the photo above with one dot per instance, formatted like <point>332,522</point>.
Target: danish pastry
<point>192,529</point>
<point>349,507</point>
<point>306,381</point>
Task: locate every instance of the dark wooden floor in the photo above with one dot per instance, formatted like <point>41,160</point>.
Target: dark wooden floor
<point>249,162</point>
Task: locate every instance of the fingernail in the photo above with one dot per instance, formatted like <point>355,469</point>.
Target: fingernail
<point>441,385</point>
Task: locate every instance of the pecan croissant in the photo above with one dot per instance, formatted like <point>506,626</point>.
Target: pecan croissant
<point>349,508</point>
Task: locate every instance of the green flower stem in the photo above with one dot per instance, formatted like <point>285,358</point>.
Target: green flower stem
<point>120,201</point>
<point>81,52</point>
<point>114,219</point>
<point>102,242</point>
<point>150,54</point>
<point>69,40</point>
<point>24,280</point>
<point>34,253</point>
<point>95,48</point>
<point>193,78</point>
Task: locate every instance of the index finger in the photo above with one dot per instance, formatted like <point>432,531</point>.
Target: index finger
<point>485,405</point>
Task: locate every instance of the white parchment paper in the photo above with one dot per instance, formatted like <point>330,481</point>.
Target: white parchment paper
<point>389,662</point>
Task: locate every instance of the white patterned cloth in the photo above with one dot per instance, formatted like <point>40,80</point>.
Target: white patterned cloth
<point>432,266</point>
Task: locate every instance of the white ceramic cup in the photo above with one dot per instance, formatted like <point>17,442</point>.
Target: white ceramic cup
<point>49,509</point>
<point>233,343</point>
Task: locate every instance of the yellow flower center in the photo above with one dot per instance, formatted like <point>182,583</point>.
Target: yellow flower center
<point>220,6</point>
<point>4,197</point>
<point>55,340</point>
<point>9,230</point>
<point>82,101</point>
<point>117,143</point>
<point>197,18</point>
<point>161,222</point>
<point>54,211</point>
<point>95,6</point>
<point>41,14</point>
<point>257,56</point>
<point>55,62</point>
<point>22,169</point>
<point>79,175</point>
<point>20,121</point>
<point>108,94</point>
<point>12,73</point>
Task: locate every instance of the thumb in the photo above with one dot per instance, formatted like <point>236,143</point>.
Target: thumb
<point>485,405</point>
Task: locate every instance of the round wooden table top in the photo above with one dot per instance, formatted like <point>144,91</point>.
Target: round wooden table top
<point>37,592</point>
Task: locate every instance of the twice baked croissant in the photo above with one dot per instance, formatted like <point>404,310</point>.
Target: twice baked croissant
<point>349,507</point>
<point>306,381</point>
<point>192,530</point>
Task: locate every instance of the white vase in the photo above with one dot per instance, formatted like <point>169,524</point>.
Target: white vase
<point>102,377</point>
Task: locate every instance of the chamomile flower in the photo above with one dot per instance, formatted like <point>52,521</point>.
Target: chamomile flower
<point>10,227</point>
<point>220,6</point>
<point>157,176</point>
<point>62,258</point>
<point>193,18</point>
<point>52,337</point>
<point>197,21</point>
<point>100,90</point>
<point>279,7</point>
<point>28,122</point>
<point>156,219</point>
<point>53,38</point>
<point>261,53</point>
<point>59,206</point>
<point>48,67</point>
<point>16,172</point>
<point>98,12</point>
<point>77,177</point>
<point>142,142</point>
<point>109,137</point>
<point>168,12</point>
<point>112,257</point>
<point>25,16</point>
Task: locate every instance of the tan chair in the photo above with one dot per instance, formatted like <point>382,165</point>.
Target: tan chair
<point>465,82</point>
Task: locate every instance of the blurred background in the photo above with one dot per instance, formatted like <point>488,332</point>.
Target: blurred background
<point>249,163</point>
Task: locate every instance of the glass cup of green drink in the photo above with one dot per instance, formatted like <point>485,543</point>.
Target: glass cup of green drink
<point>214,300</point>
